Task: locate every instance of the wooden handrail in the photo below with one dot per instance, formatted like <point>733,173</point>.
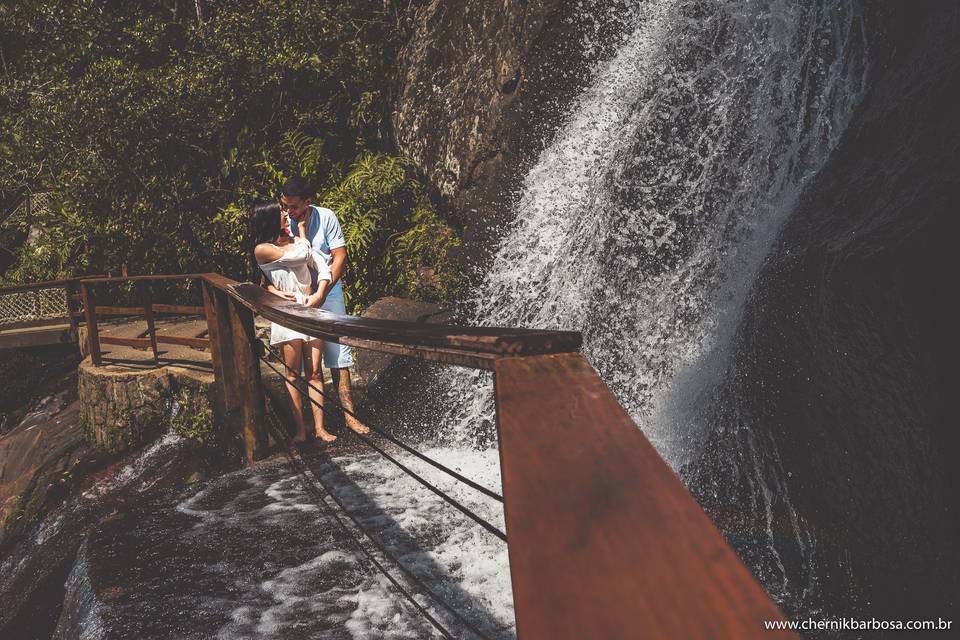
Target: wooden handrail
<point>605,540</point>
<point>158,277</point>
<point>33,286</point>
<point>50,284</point>
<point>495,341</point>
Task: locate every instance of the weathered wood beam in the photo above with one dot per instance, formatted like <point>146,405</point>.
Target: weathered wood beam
<point>73,303</point>
<point>239,402</point>
<point>39,322</point>
<point>605,540</point>
<point>90,317</point>
<point>36,336</point>
<point>154,278</point>
<point>469,340</point>
<point>139,343</point>
<point>147,301</point>
<point>111,310</point>
<point>34,286</point>
<point>178,309</point>
<point>185,341</point>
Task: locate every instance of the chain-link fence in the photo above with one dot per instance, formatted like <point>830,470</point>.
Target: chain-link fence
<point>38,304</point>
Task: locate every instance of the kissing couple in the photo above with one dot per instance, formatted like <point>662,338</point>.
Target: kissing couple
<point>302,253</point>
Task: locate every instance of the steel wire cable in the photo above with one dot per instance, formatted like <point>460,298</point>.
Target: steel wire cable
<point>311,487</point>
<point>319,498</point>
<point>467,481</point>
<point>451,501</point>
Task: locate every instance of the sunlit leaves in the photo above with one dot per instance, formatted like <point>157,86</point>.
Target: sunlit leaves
<point>397,243</point>
<point>157,129</point>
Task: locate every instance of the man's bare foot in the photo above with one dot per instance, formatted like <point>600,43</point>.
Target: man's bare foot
<point>356,425</point>
<point>300,438</point>
<point>325,435</point>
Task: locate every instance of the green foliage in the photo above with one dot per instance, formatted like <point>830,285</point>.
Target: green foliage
<point>397,243</point>
<point>420,258</point>
<point>194,419</point>
<point>153,125</point>
<point>60,250</point>
<point>306,152</point>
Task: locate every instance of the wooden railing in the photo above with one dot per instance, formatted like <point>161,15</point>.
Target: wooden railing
<point>148,309</point>
<point>605,541</point>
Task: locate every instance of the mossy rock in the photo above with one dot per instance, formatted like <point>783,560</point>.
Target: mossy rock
<point>191,411</point>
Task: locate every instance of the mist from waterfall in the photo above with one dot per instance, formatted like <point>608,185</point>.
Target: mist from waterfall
<point>645,222</point>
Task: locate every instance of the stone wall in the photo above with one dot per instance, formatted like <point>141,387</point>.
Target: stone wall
<point>120,410</point>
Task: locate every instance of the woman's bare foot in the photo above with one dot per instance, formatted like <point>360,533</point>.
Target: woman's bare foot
<point>325,435</point>
<point>356,425</point>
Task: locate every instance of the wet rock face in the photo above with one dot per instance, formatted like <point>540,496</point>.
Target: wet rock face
<point>35,563</point>
<point>41,459</point>
<point>23,372</point>
<point>248,556</point>
<point>370,365</point>
<point>256,554</point>
<point>482,86</point>
<point>843,360</point>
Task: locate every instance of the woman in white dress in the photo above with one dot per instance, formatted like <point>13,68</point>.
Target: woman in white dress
<point>286,262</point>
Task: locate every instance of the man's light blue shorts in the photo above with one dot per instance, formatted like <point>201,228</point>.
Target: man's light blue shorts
<point>336,356</point>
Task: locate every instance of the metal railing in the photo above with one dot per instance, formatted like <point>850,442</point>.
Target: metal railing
<point>25,306</point>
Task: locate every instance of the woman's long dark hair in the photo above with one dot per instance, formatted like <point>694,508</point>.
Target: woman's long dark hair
<point>264,227</point>
<point>264,223</point>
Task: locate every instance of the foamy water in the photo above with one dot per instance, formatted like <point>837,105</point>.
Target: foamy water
<point>337,592</point>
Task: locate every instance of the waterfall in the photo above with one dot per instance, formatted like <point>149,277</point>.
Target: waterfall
<point>645,222</point>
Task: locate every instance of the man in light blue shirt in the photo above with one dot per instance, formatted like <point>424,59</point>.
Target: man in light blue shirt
<point>323,231</point>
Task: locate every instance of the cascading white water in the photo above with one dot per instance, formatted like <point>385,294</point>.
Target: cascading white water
<point>646,221</point>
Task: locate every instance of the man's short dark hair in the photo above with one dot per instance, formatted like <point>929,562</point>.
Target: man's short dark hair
<point>296,187</point>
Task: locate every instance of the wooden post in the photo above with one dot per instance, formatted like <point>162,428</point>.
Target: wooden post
<point>148,312</point>
<point>90,316</point>
<point>605,540</point>
<point>69,290</point>
<point>237,371</point>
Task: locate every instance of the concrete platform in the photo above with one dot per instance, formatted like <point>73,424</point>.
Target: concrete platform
<point>35,336</point>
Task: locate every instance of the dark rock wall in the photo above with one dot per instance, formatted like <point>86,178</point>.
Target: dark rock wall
<point>482,86</point>
<point>846,358</point>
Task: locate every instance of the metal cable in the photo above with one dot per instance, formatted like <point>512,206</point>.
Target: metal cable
<point>311,487</point>
<point>467,481</point>
<point>464,510</point>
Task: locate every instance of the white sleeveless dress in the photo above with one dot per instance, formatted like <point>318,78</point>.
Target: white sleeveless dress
<point>291,273</point>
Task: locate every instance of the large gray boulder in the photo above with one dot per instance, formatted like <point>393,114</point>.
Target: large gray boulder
<point>369,365</point>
